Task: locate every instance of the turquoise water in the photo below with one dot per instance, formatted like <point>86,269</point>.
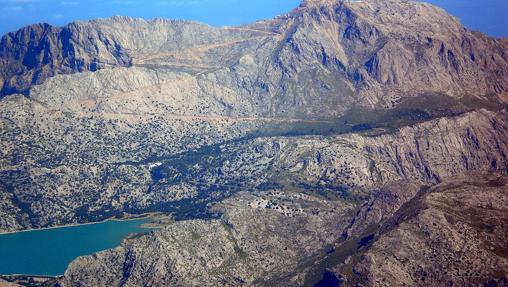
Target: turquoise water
<point>49,251</point>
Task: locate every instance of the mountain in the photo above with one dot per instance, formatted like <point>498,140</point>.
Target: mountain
<point>428,241</point>
<point>342,46</point>
<point>315,145</point>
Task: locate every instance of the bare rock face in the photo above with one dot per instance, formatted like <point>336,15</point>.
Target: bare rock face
<point>8,284</point>
<point>334,139</point>
<point>359,41</point>
<point>344,49</point>
<point>224,252</point>
<point>37,52</point>
<point>453,233</point>
<point>29,56</point>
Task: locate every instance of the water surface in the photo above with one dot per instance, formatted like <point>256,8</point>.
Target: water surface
<point>49,251</point>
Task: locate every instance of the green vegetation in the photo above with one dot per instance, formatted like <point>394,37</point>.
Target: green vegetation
<point>373,122</point>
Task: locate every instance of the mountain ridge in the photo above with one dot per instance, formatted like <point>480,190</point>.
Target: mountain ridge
<point>318,66</point>
<point>365,77</point>
<point>280,150</point>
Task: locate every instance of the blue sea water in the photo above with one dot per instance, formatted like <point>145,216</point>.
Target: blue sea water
<point>49,251</point>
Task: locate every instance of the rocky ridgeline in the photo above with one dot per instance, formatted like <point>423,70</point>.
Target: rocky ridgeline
<point>317,61</point>
<point>452,233</point>
<point>333,138</point>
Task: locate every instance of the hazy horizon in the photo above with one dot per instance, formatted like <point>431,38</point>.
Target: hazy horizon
<point>485,16</point>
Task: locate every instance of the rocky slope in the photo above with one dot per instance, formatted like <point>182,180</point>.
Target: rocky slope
<point>454,232</point>
<point>344,49</point>
<point>285,149</point>
<point>189,86</point>
<point>116,172</point>
<point>35,53</point>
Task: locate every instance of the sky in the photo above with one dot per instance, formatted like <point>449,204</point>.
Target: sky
<point>488,16</point>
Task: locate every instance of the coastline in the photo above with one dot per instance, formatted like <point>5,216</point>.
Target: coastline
<point>144,223</point>
<point>129,217</point>
<point>4,277</point>
<point>28,280</point>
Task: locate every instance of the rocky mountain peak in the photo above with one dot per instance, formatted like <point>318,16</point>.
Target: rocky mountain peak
<point>353,41</point>
<point>391,15</point>
<point>358,40</point>
<point>280,149</point>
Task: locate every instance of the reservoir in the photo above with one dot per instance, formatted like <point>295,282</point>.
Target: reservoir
<point>49,251</point>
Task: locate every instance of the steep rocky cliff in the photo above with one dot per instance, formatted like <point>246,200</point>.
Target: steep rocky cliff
<point>453,233</point>
<point>344,49</point>
<point>313,143</point>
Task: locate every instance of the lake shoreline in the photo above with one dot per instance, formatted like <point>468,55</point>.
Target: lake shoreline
<point>125,218</point>
<point>46,252</point>
<point>16,276</point>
